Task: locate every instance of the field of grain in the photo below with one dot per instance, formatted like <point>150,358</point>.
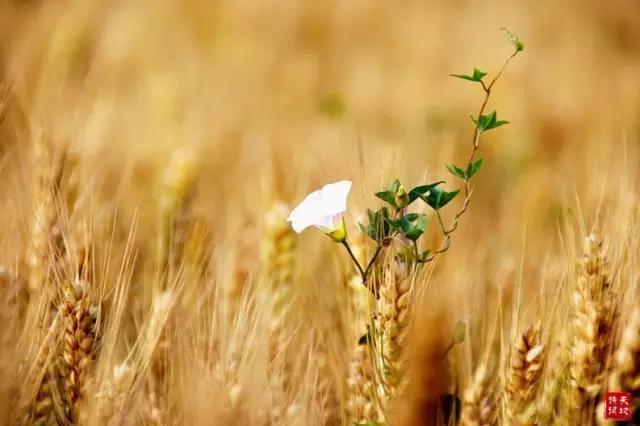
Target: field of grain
<point>151,153</point>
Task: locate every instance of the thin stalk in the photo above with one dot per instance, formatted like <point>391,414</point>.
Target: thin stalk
<point>353,257</point>
<point>371,262</point>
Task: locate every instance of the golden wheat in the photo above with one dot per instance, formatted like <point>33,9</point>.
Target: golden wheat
<point>479,405</point>
<point>523,377</point>
<point>625,375</point>
<point>393,322</point>
<point>362,404</point>
<point>149,278</point>
<point>79,339</point>
<point>592,328</point>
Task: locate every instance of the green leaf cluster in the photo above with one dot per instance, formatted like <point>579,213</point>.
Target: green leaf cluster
<point>439,198</point>
<point>488,121</point>
<point>377,228</point>
<point>396,195</point>
<point>411,225</point>
<point>472,169</point>
<point>394,220</point>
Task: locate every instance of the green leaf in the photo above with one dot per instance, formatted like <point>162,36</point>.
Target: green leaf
<point>438,198</point>
<point>473,168</point>
<point>485,121</point>
<point>459,332</point>
<point>425,254</point>
<point>412,216</point>
<point>456,171</point>
<point>378,227</point>
<point>387,196</point>
<point>488,122</point>
<point>402,198</point>
<point>421,190</point>
<point>395,195</point>
<point>393,223</point>
<point>412,226</point>
<point>477,75</point>
<point>514,40</point>
<point>395,186</point>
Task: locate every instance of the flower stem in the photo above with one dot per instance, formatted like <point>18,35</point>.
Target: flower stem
<point>371,262</point>
<point>364,273</point>
<point>353,257</point>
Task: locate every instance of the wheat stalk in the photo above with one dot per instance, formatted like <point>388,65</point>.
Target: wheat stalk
<point>46,240</point>
<point>176,217</point>
<point>277,255</point>
<point>328,402</point>
<point>47,406</point>
<point>176,226</point>
<point>43,255</point>
<point>523,377</point>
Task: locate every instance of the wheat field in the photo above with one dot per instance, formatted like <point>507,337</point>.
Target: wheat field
<point>152,152</point>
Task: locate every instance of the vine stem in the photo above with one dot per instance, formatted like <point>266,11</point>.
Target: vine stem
<point>468,191</point>
<point>364,273</point>
<point>371,263</point>
<point>353,258</point>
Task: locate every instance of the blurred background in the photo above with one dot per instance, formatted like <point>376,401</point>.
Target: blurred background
<point>271,99</point>
<point>283,96</point>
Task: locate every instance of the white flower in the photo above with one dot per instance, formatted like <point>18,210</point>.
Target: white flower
<point>323,209</point>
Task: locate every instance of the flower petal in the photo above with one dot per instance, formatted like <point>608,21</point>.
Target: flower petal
<point>322,208</point>
<point>306,213</point>
<point>328,223</point>
<point>334,197</point>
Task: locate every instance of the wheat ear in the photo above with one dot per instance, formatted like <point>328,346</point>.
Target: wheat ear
<point>79,336</point>
<point>592,329</point>
<point>277,254</point>
<point>393,320</point>
<point>523,377</point>
<point>45,230</point>
<point>176,219</point>
<point>626,364</point>
<point>361,404</point>
<point>479,405</point>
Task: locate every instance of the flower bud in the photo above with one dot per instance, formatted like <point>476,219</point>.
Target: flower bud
<point>402,197</point>
<point>339,234</point>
